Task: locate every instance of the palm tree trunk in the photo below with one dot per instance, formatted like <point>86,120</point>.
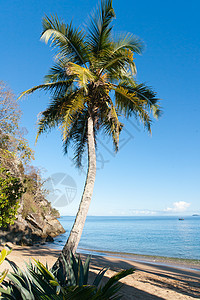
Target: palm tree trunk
<point>75,234</point>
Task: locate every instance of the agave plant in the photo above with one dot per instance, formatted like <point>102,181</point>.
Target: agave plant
<point>76,272</point>
<point>40,282</point>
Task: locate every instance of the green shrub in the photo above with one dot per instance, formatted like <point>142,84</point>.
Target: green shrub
<point>11,191</point>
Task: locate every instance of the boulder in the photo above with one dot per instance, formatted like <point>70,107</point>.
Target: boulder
<point>33,230</point>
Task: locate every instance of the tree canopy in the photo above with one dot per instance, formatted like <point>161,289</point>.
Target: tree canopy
<point>94,75</point>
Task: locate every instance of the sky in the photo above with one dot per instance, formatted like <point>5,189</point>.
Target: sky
<point>150,175</point>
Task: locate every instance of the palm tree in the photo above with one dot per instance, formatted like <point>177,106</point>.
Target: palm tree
<point>92,84</point>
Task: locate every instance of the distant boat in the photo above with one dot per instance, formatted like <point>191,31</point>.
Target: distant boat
<point>181,219</point>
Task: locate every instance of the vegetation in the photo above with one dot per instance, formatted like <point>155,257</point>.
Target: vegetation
<point>11,191</point>
<point>93,85</point>
<point>11,135</point>
<point>40,282</point>
<point>21,186</point>
<point>4,253</point>
<point>14,156</point>
<point>34,199</point>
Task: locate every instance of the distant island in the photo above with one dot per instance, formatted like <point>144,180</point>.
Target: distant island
<point>196,215</point>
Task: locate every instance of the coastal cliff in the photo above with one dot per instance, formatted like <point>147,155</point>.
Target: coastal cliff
<point>26,217</point>
<point>35,227</point>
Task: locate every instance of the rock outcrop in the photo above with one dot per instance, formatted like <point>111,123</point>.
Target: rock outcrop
<point>36,228</point>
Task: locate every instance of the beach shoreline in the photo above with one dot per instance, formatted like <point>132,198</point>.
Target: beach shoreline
<point>191,264</point>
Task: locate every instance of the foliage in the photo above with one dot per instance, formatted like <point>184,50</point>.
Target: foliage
<point>34,198</point>
<point>11,135</point>
<point>15,156</point>
<point>75,273</point>
<point>94,75</point>
<point>11,190</point>
<point>9,110</point>
<point>29,205</point>
<point>38,282</point>
<point>4,253</point>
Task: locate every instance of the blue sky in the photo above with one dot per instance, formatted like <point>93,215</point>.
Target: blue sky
<point>149,175</point>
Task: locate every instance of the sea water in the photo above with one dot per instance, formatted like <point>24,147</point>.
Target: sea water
<point>160,236</point>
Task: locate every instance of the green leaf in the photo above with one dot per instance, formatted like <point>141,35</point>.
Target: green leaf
<point>84,75</point>
<point>3,255</point>
<point>66,38</point>
<point>99,276</point>
<point>86,269</point>
<point>109,286</point>
<point>3,275</point>
<point>99,37</point>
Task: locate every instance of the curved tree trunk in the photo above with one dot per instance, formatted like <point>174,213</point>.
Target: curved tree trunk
<point>75,234</point>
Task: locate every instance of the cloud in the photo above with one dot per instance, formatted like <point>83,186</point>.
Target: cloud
<point>180,206</point>
<point>145,212</point>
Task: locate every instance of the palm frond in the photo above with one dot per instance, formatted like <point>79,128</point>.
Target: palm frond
<point>100,29</point>
<point>144,93</point>
<point>83,75</point>
<point>51,117</point>
<point>129,104</point>
<point>117,62</point>
<point>60,113</point>
<point>67,39</point>
<point>78,134</point>
<point>57,72</point>
<point>74,105</point>
<point>128,41</point>
<point>51,86</point>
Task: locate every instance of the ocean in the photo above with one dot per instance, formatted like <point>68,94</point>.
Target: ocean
<point>158,236</point>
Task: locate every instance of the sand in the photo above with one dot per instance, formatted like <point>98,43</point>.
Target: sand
<point>150,281</point>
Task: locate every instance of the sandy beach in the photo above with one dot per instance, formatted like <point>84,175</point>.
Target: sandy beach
<point>150,281</point>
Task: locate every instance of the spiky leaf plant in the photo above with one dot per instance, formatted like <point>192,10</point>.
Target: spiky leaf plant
<point>38,282</point>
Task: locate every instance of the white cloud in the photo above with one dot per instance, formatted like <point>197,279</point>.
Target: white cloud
<point>144,212</point>
<point>178,207</point>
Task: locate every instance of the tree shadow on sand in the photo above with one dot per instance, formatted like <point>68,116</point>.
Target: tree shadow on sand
<point>185,282</point>
<point>128,292</point>
<point>37,251</point>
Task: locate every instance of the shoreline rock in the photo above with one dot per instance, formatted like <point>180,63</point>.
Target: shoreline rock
<point>34,229</point>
